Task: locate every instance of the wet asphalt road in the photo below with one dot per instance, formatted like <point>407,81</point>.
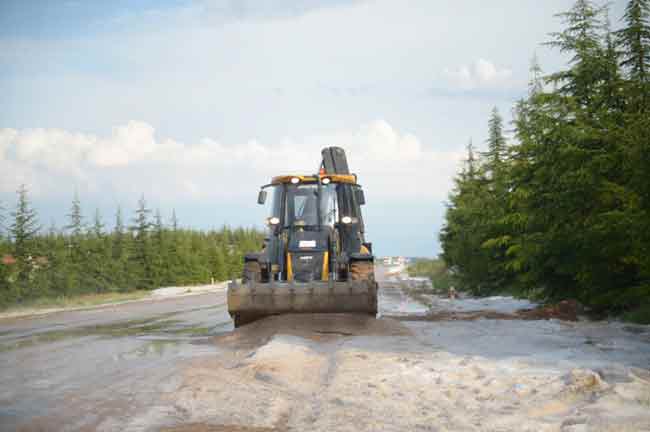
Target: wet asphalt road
<point>114,356</point>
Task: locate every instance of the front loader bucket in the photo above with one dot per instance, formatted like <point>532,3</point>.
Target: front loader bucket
<point>251,301</point>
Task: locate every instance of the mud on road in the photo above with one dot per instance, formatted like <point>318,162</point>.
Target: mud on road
<point>183,368</point>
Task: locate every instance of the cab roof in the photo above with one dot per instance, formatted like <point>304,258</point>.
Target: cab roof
<point>334,178</point>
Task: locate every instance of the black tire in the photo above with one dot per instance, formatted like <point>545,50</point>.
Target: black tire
<point>362,270</point>
<point>365,271</point>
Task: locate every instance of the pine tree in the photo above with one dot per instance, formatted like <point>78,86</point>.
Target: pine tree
<point>76,229</point>
<point>97,266</point>
<point>176,265</point>
<point>582,40</point>
<point>23,232</point>
<point>634,40</point>
<point>496,142</point>
<point>219,270</point>
<point>75,217</point>
<point>141,258</point>
<point>77,261</point>
<point>98,226</point>
<point>119,240</point>
<point>470,164</point>
<point>462,235</point>
<point>535,84</point>
<point>24,227</point>
<point>159,250</point>
<point>120,245</point>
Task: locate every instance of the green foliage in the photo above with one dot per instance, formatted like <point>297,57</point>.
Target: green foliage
<point>79,260</point>
<point>434,269</point>
<point>565,213</point>
<point>639,315</point>
<point>634,40</point>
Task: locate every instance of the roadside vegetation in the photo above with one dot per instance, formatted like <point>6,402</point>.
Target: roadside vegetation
<point>84,263</point>
<point>562,209</point>
<point>434,269</point>
<point>79,301</point>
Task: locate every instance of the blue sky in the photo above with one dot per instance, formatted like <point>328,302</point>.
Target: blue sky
<point>196,103</point>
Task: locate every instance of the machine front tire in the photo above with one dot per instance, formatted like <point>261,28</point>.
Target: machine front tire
<point>252,272</point>
<point>362,270</point>
<point>365,271</point>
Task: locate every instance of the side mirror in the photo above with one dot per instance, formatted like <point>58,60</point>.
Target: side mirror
<point>261,198</point>
<point>361,198</point>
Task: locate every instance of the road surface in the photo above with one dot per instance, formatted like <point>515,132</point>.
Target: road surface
<point>177,364</point>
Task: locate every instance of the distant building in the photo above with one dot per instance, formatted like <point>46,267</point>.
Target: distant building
<point>395,261</point>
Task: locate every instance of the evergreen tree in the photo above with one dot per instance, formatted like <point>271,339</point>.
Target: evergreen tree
<point>97,229</point>
<point>75,225</point>
<point>535,84</point>
<point>470,168</point>
<point>582,40</point>
<point>176,268</point>
<point>98,257</point>
<point>120,246</point>
<point>634,39</point>
<point>24,227</point>
<point>496,143</point>
<point>76,263</point>
<point>158,250</point>
<point>141,257</point>
<point>23,232</point>
<point>463,233</point>
<point>218,261</point>
<point>76,229</point>
<point>119,236</point>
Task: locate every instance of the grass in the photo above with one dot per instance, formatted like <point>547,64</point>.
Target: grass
<point>65,302</point>
<point>640,315</point>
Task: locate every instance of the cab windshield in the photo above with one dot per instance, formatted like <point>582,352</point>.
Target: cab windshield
<point>303,205</point>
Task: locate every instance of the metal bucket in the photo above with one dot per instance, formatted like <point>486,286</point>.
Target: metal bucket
<point>254,300</point>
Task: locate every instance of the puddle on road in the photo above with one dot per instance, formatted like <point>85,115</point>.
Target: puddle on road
<point>162,326</point>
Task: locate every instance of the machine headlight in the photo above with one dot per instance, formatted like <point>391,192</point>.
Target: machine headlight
<point>295,180</point>
<point>346,219</point>
<point>273,220</point>
<point>326,180</point>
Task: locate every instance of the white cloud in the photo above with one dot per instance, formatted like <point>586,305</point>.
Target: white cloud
<point>132,160</point>
<point>131,142</point>
<point>480,73</point>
